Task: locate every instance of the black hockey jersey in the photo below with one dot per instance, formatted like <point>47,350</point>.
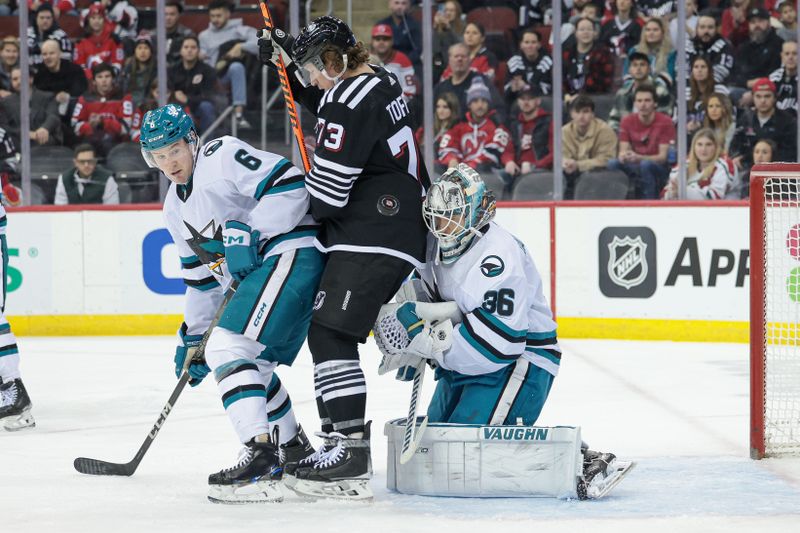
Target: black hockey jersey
<point>368,179</point>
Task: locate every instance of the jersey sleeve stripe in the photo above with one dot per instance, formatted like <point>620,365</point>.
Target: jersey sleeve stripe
<point>295,182</point>
<point>358,82</point>
<point>333,188</point>
<point>320,194</point>
<point>335,179</point>
<point>202,284</point>
<point>336,167</point>
<point>281,168</point>
<point>363,92</point>
<point>483,347</point>
<point>554,356</point>
<point>492,322</point>
<point>190,262</point>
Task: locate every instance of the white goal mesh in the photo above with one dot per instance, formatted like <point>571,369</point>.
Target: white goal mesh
<point>781,314</point>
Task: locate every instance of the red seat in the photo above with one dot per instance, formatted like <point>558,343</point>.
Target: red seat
<point>9,26</point>
<point>71,24</point>
<point>494,19</point>
<point>196,21</point>
<point>500,75</point>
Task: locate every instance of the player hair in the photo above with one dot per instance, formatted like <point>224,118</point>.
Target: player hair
<point>356,56</point>
<point>457,26</point>
<point>773,146</point>
<point>103,67</point>
<point>83,147</point>
<point>694,163</point>
<point>720,128</point>
<point>455,112</point>
<point>220,4</point>
<point>710,13</point>
<point>176,4</point>
<point>646,88</point>
<point>479,26</point>
<point>534,31</point>
<point>699,89</point>
<point>662,50</point>
<point>191,37</point>
<point>581,102</point>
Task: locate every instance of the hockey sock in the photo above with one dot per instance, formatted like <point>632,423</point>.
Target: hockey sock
<point>244,397</point>
<point>9,355</point>
<point>340,385</point>
<point>279,410</point>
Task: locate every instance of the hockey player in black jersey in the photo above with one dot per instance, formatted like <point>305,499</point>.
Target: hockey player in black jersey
<point>366,185</point>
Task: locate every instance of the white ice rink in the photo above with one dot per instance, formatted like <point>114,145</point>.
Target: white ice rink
<point>679,409</point>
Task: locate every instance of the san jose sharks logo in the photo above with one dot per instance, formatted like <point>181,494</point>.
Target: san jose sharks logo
<point>492,266</point>
<point>207,245</point>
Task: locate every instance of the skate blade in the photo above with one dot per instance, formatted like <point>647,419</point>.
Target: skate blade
<point>17,422</point>
<point>259,492</point>
<point>616,471</point>
<point>343,490</point>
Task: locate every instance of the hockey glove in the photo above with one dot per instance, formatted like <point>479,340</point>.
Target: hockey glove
<point>241,249</point>
<point>184,358</point>
<point>274,44</point>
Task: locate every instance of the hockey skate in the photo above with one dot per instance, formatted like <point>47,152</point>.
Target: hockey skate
<point>296,450</point>
<point>341,471</point>
<point>15,406</point>
<point>601,473</point>
<point>254,479</point>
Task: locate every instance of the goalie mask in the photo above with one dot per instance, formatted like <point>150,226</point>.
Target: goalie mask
<point>161,129</point>
<point>457,206</point>
<point>324,32</point>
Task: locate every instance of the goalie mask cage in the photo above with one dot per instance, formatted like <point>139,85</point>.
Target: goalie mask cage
<point>775,310</point>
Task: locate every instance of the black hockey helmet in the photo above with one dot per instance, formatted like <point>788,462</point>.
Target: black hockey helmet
<point>325,30</point>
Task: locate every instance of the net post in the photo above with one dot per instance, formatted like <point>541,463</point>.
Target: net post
<point>757,316</point>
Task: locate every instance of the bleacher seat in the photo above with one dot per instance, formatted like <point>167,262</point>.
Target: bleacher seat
<point>71,24</point>
<point>603,104</point>
<point>602,185</point>
<point>494,19</point>
<point>533,186</point>
<point>9,25</point>
<point>496,184</point>
<point>500,76</point>
<point>137,182</point>
<point>47,162</point>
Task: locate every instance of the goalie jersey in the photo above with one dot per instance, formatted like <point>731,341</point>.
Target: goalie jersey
<point>233,181</point>
<point>499,291</point>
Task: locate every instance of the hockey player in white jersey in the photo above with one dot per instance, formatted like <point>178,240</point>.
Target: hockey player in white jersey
<point>15,404</point>
<point>492,337</point>
<point>240,214</point>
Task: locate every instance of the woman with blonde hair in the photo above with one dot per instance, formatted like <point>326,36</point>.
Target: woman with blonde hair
<point>709,174</point>
<point>446,114</point>
<point>656,44</point>
<point>719,118</point>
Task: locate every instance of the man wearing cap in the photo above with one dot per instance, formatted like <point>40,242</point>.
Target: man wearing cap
<point>639,74</point>
<point>100,45</point>
<point>757,57</point>
<point>45,28</point>
<point>481,141</point>
<point>406,31</point>
<point>707,41</point>
<point>533,131</point>
<point>764,121</point>
<point>393,60</point>
<point>785,78</point>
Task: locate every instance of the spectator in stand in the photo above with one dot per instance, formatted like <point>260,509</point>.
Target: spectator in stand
<point>46,28</point>
<point>588,143</point>
<point>9,58</point>
<point>532,66</point>
<point>395,62</point>
<point>588,65</point>
<point>623,31</point>
<point>707,41</point>
<point>224,45</point>
<point>584,9</point>
<point>639,74</point>
<point>719,119</point>
<point>709,174</point>
<point>481,141</point>
<point>656,44</point>
<point>462,79</point>
<point>656,9</point>
<point>125,19</point>
<point>5,8</point>
<point>481,59</point>
<point>59,7</point>
<point>193,83</point>
<point>61,77</point>
<point>448,26</point>
<point>86,182</point>
<point>100,45</point>
<point>103,116</point>
<point>700,87</point>
<point>533,132</point>
<point>764,151</point>
<point>734,25</point>
<point>644,139</point>
<point>757,57</point>
<point>788,20</point>
<point>785,78</point>
<point>691,22</point>
<point>175,31</point>
<point>447,114</point>
<point>765,121</point>
<point>139,70</point>
<point>532,12</point>
<point>407,31</point>
<point>45,124</point>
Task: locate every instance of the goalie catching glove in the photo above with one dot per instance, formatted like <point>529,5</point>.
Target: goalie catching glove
<point>407,337</point>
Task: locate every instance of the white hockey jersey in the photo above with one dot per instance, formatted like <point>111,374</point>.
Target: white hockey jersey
<point>506,316</point>
<point>233,181</point>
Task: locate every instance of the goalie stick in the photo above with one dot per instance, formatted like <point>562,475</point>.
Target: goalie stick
<point>411,439</point>
<point>96,467</point>
<point>288,97</point>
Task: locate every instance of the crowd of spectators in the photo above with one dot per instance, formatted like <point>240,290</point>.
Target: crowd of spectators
<point>492,97</point>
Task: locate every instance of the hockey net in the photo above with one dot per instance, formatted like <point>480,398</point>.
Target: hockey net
<point>775,310</point>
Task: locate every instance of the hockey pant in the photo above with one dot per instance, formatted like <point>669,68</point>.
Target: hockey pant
<point>515,392</point>
<point>264,325</point>
<point>9,355</point>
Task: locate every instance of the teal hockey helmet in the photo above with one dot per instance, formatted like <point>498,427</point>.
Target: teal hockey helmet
<point>457,206</point>
<point>165,126</point>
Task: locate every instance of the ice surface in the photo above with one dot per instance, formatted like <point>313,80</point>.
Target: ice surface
<point>679,409</point>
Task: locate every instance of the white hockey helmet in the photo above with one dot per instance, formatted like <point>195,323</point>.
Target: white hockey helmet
<point>458,204</point>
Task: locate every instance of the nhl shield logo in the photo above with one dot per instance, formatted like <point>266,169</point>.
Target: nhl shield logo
<point>627,264</point>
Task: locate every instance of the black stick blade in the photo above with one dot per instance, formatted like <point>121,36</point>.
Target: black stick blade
<point>96,467</point>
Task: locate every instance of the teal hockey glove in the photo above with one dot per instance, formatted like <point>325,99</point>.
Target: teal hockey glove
<point>198,369</point>
<point>241,249</point>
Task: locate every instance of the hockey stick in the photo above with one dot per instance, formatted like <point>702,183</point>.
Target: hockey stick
<point>411,439</point>
<point>96,467</point>
<point>288,97</point>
